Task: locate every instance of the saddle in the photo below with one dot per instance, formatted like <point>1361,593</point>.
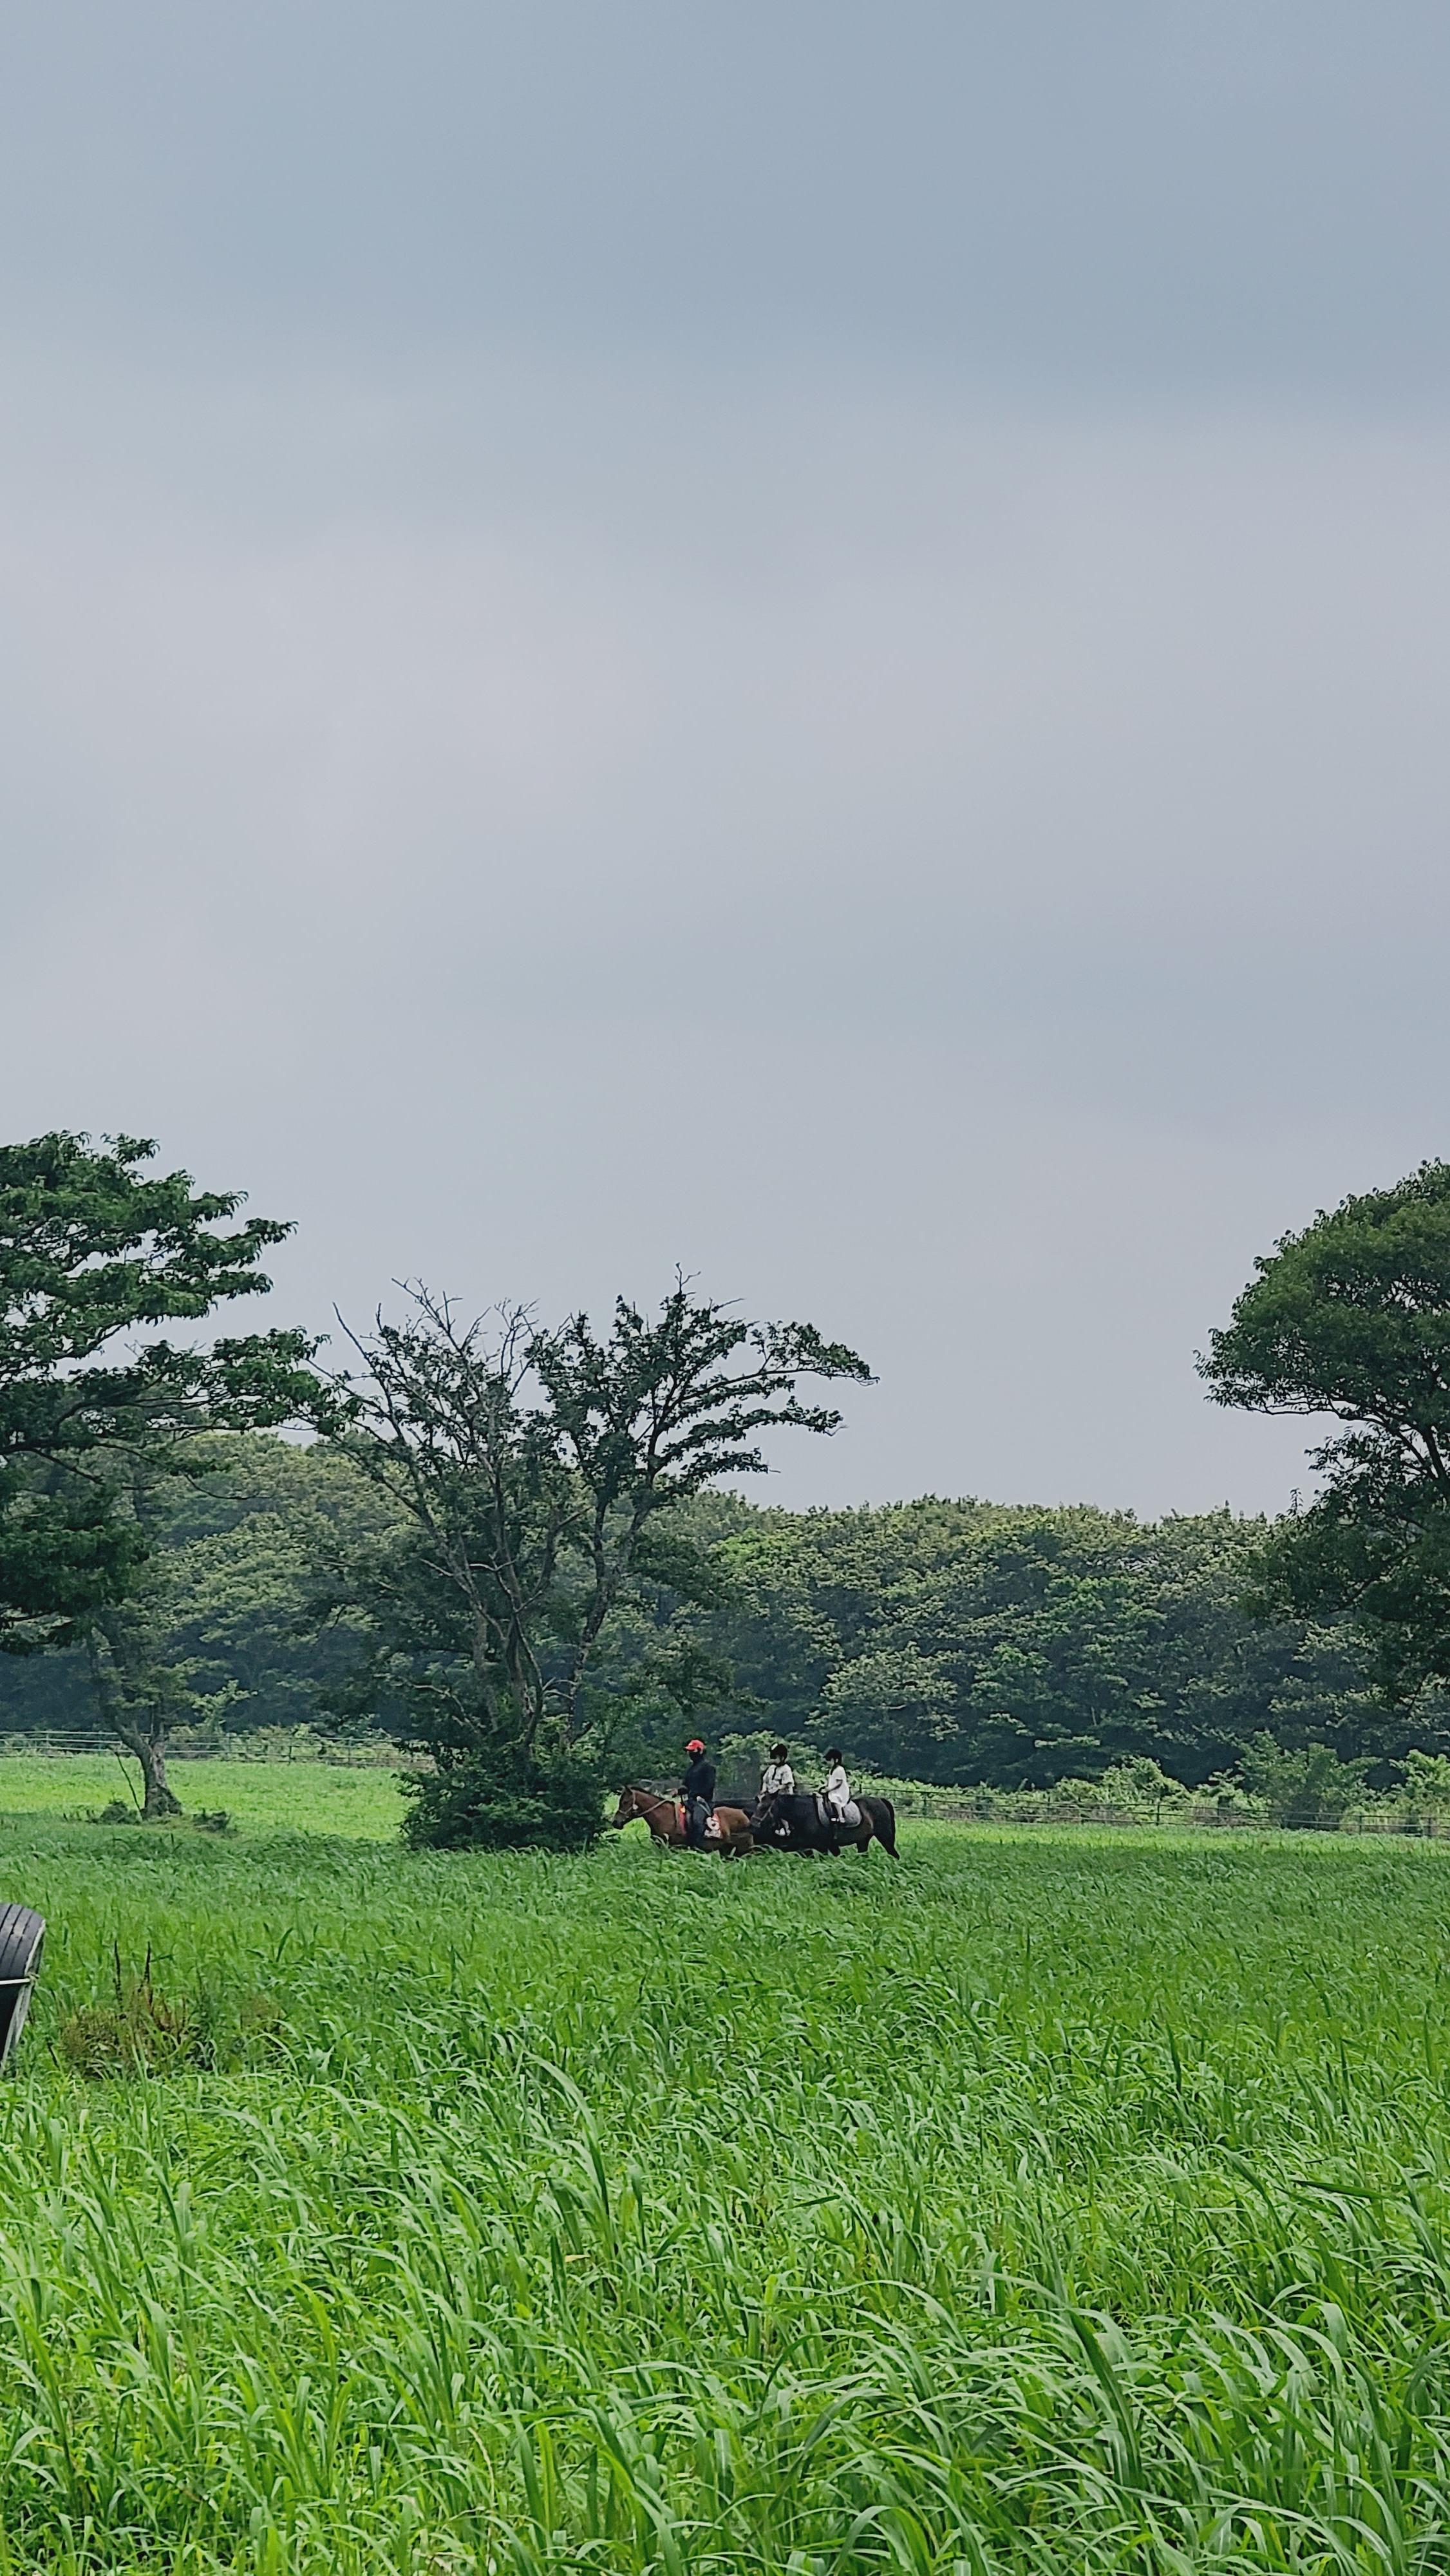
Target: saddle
<point>714,1830</point>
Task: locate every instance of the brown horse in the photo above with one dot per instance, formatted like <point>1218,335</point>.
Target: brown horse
<point>666,1823</point>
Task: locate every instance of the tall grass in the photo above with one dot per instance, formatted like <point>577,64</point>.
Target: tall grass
<point>1041,2203</point>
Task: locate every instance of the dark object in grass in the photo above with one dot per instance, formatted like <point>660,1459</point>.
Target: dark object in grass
<point>207,1820</point>
<point>22,1938</point>
<point>139,2033</point>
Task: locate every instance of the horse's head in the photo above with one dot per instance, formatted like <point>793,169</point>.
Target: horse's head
<point>625,1809</point>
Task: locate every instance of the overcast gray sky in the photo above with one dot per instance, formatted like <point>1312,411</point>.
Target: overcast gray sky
<point>806,639</point>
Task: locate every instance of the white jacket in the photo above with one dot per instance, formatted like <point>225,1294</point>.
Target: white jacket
<point>777,1780</point>
<point>838,1793</point>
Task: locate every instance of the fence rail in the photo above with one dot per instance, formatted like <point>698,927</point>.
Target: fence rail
<point>56,1742</point>
<point>925,1804</point>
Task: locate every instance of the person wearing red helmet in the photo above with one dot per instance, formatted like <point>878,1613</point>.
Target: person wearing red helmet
<point>698,1792</point>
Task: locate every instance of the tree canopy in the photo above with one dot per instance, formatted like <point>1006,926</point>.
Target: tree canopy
<point>531,1473</point>
<point>510,1543</point>
<point>93,1246</point>
<point>1351,1318</point>
<point>949,1641</point>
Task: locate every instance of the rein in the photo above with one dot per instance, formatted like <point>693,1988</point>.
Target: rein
<point>646,1800</point>
<point>648,1803</point>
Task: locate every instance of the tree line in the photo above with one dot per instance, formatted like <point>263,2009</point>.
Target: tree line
<point>515,1548</point>
<point>956,1642</point>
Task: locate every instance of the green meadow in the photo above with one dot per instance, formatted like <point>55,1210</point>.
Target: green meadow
<point>1046,2200</point>
<point>278,1797</point>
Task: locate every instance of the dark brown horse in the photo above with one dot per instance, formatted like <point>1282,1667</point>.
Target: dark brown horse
<point>666,1823</point>
<point>786,1823</point>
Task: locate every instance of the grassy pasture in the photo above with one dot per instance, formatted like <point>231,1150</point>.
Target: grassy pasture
<point>1049,2200</point>
<point>286,1797</point>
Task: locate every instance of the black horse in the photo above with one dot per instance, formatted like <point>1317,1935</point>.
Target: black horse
<point>801,1822</point>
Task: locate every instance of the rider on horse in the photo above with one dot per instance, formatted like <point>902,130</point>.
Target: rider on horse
<point>845,1814</point>
<point>777,1784</point>
<point>697,1789</point>
<point>817,1823</point>
<point>777,1780</point>
<point>792,1819</point>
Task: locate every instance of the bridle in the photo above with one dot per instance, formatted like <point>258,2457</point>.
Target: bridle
<point>647,1802</point>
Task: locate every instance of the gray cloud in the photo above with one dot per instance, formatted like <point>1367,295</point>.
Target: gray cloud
<point>806,642</point>
<point>1081,198</point>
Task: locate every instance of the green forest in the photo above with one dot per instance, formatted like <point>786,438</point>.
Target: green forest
<point>521,1550</point>
<point>958,1642</point>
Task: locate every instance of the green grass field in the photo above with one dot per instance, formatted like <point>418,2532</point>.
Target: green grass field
<point>285,1797</point>
<point>1046,2201</point>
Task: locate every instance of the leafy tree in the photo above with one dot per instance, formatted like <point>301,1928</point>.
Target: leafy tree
<point>896,1684</point>
<point>213,1627</point>
<point>1427,1785</point>
<point>535,1474</point>
<point>233,1568</point>
<point>1351,1318</point>
<point>651,1689</point>
<point>1140,1786</point>
<point>237,1559</point>
<point>1305,1786</point>
<point>962,1641</point>
<point>499,1797</point>
<point>93,1245</point>
<point>950,1641</point>
<point>139,1695</point>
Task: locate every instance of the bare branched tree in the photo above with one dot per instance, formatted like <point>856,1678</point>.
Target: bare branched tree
<point>533,1470</point>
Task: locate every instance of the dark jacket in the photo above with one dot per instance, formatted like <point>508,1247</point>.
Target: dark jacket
<point>699,1780</point>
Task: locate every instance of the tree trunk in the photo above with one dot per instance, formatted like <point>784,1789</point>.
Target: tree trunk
<point>149,1750</point>
<point>160,1800</point>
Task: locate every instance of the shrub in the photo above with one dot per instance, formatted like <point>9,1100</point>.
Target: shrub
<point>138,2033</point>
<point>504,1799</point>
<point>1427,1782</point>
<point>1308,1786</point>
<point>1140,1787</point>
<point>207,1820</point>
<point>1425,1797</point>
<point>1226,1794</point>
<point>1072,1796</point>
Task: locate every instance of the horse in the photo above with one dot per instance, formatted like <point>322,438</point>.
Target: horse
<point>666,1823</point>
<point>794,1823</point>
